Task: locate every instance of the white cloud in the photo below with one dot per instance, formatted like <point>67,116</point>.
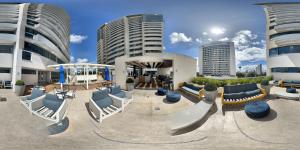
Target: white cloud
<point>179,37</point>
<point>199,40</point>
<point>77,38</point>
<point>164,48</point>
<point>224,39</point>
<point>217,30</point>
<point>251,54</point>
<point>72,59</point>
<point>244,39</point>
<point>209,39</point>
<point>204,33</point>
<point>82,60</point>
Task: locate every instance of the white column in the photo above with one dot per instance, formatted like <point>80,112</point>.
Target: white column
<point>17,58</point>
<point>87,78</point>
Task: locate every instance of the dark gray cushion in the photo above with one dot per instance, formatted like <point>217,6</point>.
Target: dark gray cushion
<point>52,102</point>
<point>252,93</point>
<point>115,90</point>
<point>101,94</point>
<point>103,103</point>
<point>120,94</point>
<point>235,95</point>
<point>35,94</point>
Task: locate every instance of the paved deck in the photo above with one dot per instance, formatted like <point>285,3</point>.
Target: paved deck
<point>143,125</point>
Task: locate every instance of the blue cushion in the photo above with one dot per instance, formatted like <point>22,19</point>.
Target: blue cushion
<point>35,94</point>
<point>257,109</point>
<point>291,90</point>
<point>101,94</point>
<point>240,88</point>
<point>288,81</point>
<point>173,97</point>
<point>161,91</point>
<point>52,102</point>
<point>235,95</point>
<point>115,90</point>
<point>252,93</point>
<point>296,82</point>
<point>120,94</point>
<point>105,102</point>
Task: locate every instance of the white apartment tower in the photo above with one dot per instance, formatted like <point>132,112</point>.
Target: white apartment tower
<point>32,36</point>
<point>283,40</point>
<point>134,35</point>
<point>217,59</point>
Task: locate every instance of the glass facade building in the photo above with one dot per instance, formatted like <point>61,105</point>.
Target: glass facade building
<point>32,37</point>
<point>134,35</point>
<point>283,40</point>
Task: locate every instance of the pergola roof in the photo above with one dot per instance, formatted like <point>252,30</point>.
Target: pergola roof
<point>80,65</point>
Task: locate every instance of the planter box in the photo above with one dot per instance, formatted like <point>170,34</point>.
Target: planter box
<point>19,90</point>
<point>211,95</point>
<point>130,86</point>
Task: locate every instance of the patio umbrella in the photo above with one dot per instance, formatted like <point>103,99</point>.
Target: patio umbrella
<point>106,74</point>
<point>61,76</point>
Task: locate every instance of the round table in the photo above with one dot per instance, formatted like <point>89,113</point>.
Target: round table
<point>257,109</point>
<point>173,97</point>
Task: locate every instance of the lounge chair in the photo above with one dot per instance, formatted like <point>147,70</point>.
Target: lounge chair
<point>49,107</point>
<point>241,94</point>
<point>7,84</point>
<point>191,89</point>
<point>126,97</point>
<point>103,106</point>
<point>35,93</point>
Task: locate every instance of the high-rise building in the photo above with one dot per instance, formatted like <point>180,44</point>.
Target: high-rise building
<point>283,40</point>
<point>217,59</point>
<point>32,36</point>
<point>258,69</point>
<point>134,35</point>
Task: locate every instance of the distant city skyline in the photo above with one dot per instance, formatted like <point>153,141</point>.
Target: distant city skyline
<point>187,25</point>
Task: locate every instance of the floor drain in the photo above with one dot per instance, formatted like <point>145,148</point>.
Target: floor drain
<point>156,108</point>
<point>2,99</point>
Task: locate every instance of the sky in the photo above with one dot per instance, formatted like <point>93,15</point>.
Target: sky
<point>187,25</point>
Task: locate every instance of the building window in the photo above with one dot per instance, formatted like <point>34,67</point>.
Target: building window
<point>26,55</point>
<point>4,70</point>
<point>286,69</point>
<point>6,48</point>
<point>283,33</point>
<point>8,32</point>
<point>28,71</point>
<point>284,50</point>
<point>153,45</point>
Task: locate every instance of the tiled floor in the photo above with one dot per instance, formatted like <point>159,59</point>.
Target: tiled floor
<point>143,126</point>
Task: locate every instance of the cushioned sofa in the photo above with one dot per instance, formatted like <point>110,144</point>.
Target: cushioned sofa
<point>192,89</point>
<point>289,83</point>
<point>102,106</point>
<point>241,94</point>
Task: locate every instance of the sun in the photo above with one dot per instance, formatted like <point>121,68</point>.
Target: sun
<point>217,30</point>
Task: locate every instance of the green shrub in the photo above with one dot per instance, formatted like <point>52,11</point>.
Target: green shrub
<point>222,82</point>
<point>265,82</point>
<point>129,80</point>
<point>210,86</point>
<point>20,82</point>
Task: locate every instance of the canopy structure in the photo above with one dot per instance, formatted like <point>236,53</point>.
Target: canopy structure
<point>83,72</point>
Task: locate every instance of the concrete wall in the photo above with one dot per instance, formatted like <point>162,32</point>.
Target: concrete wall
<point>30,79</point>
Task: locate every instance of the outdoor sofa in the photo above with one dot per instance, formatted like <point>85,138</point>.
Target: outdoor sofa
<point>102,105</point>
<point>241,94</point>
<point>27,99</point>
<point>118,93</point>
<point>49,107</point>
<point>192,90</point>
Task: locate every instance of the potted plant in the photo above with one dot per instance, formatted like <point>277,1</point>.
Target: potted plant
<point>19,87</point>
<point>265,85</point>
<point>210,91</point>
<point>130,84</point>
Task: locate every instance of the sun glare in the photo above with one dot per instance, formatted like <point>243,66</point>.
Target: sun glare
<point>217,30</point>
